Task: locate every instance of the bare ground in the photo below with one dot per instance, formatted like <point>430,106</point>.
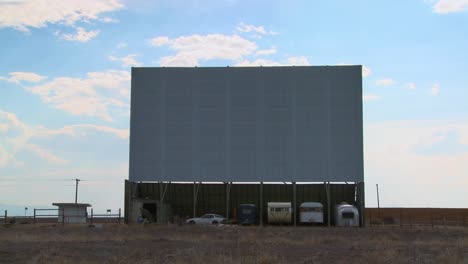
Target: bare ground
<point>230,244</point>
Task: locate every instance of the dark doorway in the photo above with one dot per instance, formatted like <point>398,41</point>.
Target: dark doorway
<point>150,212</point>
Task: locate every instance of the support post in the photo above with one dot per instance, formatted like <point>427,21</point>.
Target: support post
<point>76,190</point>
<point>92,216</point>
<point>161,197</point>
<point>327,190</point>
<point>362,203</point>
<point>261,204</point>
<point>294,203</point>
<point>160,184</point>
<point>34,217</point>
<point>196,186</point>
<point>378,200</point>
<point>6,216</point>
<point>228,193</point>
<point>119,214</point>
<point>63,216</point>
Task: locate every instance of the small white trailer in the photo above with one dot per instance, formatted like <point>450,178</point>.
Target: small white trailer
<point>346,215</point>
<point>311,212</point>
<point>279,213</point>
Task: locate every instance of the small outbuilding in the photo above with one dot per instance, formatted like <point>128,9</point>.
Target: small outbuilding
<point>72,213</point>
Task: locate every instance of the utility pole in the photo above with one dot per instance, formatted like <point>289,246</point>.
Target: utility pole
<point>378,200</point>
<point>76,190</point>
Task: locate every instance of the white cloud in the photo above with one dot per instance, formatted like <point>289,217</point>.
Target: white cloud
<point>370,97</point>
<point>435,89</point>
<point>385,82</point>
<point>82,130</point>
<point>26,14</point>
<point>18,135</point>
<point>450,6</point>
<point>159,41</point>
<point>296,61</point>
<point>366,71</point>
<point>91,96</point>
<point>17,77</point>
<point>258,62</point>
<point>19,141</point>
<point>127,61</point>
<point>190,50</point>
<point>242,27</point>
<point>81,35</point>
<point>411,85</point>
<point>266,51</point>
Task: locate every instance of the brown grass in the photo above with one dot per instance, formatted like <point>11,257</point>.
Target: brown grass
<point>230,244</point>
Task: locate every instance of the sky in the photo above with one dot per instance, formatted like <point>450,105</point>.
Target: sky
<point>65,85</point>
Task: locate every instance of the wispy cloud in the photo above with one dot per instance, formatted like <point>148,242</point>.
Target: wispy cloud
<point>90,96</point>
<point>190,50</point>
<point>385,82</point>
<point>435,89</point>
<point>411,85</point>
<point>366,71</point>
<point>258,31</point>
<point>121,45</point>
<point>266,51</point>
<point>370,97</point>
<point>242,27</point>
<point>19,135</point>
<point>127,61</point>
<point>450,6</point>
<point>81,35</point>
<point>17,77</point>
<point>290,61</point>
<point>26,14</point>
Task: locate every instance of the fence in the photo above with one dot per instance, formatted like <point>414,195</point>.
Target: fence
<point>48,217</point>
<point>416,217</point>
<point>105,218</point>
<point>4,218</point>
<point>59,216</point>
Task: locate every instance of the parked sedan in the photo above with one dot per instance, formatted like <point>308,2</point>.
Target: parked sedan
<point>207,219</point>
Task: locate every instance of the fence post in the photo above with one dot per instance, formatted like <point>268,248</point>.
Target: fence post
<point>6,216</point>
<point>63,216</point>
<point>119,215</point>
<point>92,215</point>
<point>34,217</point>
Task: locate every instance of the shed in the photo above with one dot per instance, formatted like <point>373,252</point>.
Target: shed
<point>74,213</point>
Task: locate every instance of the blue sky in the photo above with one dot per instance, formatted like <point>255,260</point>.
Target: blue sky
<point>65,84</point>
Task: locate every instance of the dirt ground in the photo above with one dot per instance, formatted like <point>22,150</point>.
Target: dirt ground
<point>230,244</point>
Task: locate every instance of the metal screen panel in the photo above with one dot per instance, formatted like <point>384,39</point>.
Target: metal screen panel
<point>247,124</point>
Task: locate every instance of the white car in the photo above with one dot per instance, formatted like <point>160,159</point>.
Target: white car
<point>207,219</point>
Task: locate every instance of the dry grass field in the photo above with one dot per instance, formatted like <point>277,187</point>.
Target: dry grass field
<point>230,244</point>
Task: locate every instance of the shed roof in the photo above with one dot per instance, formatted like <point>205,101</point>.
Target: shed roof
<point>72,204</point>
